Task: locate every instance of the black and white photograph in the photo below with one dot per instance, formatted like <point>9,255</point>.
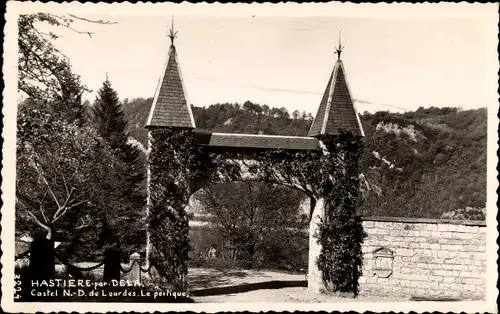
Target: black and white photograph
<point>210,157</point>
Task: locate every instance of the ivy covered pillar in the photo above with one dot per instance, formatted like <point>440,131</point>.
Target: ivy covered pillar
<point>340,234</point>
<point>174,165</point>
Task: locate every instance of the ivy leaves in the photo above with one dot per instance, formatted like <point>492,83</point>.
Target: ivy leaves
<point>176,165</point>
<point>179,166</point>
<point>340,232</point>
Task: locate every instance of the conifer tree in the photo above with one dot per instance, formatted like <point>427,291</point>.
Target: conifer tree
<point>112,126</point>
<point>108,116</point>
<point>110,122</point>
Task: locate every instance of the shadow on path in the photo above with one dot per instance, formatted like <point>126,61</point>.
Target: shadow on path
<point>433,299</point>
<point>214,278</point>
<point>273,284</point>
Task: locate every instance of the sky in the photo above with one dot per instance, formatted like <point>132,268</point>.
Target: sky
<point>391,64</point>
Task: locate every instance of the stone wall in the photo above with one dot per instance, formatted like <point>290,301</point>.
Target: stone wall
<point>416,258</point>
<point>424,258</point>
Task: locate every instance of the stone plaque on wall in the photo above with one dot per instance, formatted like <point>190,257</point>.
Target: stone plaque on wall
<point>383,262</point>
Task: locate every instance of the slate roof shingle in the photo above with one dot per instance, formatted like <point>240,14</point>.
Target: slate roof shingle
<point>170,106</point>
<point>336,110</point>
<point>253,141</point>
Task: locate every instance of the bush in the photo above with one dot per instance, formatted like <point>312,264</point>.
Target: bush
<point>222,263</point>
<point>278,251</point>
<point>197,259</point>
<point>467,213</point>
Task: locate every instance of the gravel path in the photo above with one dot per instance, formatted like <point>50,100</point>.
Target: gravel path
<point>253,286</point>
<point>203,278</point>
<point>287,295</point>
<point>250,286</point>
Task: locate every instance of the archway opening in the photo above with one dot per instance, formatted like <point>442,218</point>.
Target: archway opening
<point>248,233</point>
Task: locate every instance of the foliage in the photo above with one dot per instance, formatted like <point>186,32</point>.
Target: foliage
<point>249,118</point>
<point>136,112</point>
<point>65,175</point>
<point>179,167</point>
<point>64,167</point>
<point>436,162</point>
<point>253,217</point>
<point>467,213</point>
<point>108,116</point>
<point>235,117</point>
<point>54,106</point>
<point>176,164</point>
<point>110,123</point>
<point>340,231</point>
<point>201,239</point>
<point>443,169</point>
<point>44,72</point>
<point>417,164</point>
<point>285,250</point>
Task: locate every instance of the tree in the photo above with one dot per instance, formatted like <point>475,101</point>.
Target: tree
<point>46,77</point>
<point>110,123</point>
<point>245,213</point>
<point>265,109</point>
<point>66,175</point>
<point>284,113</point>
<point>45,73</point>
<point>248,106</point>
<point>68,179</point>
<point>136,112</point>
<point>108,116</point>
<point>449,144</point>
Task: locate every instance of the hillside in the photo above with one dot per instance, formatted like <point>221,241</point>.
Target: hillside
<point>435,162</point>
<point>227,118</point>
<point>415,164</point>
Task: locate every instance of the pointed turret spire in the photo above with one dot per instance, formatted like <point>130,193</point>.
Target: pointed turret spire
<point>336,110</point>
<point>338,50</point>
<point>171,107</point>
<point>172,33</point>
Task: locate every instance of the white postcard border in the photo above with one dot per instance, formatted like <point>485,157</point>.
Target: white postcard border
<point>488,12</point>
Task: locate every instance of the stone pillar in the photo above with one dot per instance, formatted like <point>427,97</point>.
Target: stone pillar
<point>135,264</point>
<point>314,281</point>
